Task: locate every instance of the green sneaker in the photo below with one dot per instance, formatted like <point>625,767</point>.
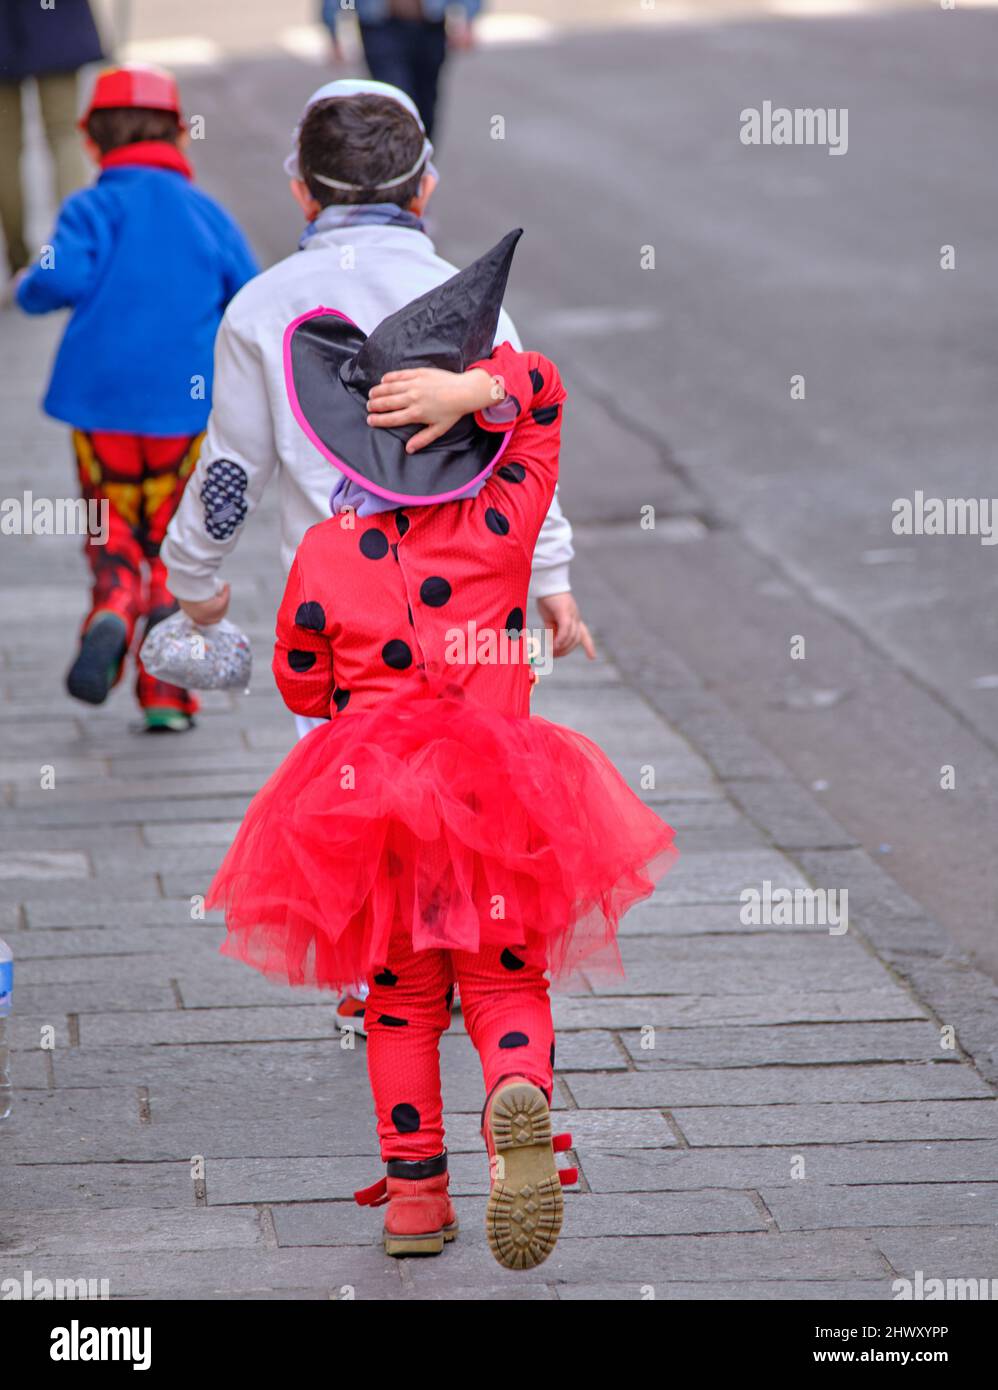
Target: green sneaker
<point>167,721</point>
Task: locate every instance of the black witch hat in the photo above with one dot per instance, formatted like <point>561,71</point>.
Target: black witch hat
<point>330,366</point>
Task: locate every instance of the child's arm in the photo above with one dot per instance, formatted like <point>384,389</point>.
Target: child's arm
<point>510,388</point>
<point>303,654</point>
<point>237,460</point>
<point>431,397</point>
<point>69,267</point>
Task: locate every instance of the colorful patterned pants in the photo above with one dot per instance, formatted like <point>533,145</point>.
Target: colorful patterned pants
<point>506,1011</point>
<point>141,479</point>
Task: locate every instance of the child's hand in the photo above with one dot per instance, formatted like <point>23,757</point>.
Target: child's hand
<point>207,612</point>
<point>431,397</point>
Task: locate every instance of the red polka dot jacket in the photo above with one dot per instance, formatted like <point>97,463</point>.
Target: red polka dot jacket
<point>426,598</point>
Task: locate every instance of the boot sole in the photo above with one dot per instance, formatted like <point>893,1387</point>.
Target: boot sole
<point>525,1210</point>
<point>430,1244</point>
<point>95,669</point>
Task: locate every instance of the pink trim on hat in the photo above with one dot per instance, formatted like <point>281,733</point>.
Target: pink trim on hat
<point>327,453</point>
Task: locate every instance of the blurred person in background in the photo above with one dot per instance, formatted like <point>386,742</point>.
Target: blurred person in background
<point>147,263</point>
<point>406,42</point>
<point>49,44</point>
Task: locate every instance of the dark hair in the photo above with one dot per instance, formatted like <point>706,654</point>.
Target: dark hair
<point>113,126</point>
<point>363,140</point>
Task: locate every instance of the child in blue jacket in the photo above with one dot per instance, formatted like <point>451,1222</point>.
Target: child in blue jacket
<point>148,263</point>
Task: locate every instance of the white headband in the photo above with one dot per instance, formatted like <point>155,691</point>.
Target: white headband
<point>343,88</point>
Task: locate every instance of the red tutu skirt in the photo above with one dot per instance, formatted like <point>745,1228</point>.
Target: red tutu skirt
<point>465,825</point>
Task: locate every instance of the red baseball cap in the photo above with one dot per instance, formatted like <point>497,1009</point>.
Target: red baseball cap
<point>132,84</point>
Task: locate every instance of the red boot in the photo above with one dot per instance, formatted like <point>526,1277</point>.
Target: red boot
<point>524,1214</point>
<point>420,1218</point>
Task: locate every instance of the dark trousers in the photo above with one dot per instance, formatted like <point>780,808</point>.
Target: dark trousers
<point>408,53</point>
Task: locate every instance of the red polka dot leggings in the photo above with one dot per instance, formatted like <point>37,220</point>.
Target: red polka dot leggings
<point>506,1011</point>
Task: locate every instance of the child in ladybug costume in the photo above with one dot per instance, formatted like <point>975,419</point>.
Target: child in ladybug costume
<point>432,832</point>
<point>147,263</point>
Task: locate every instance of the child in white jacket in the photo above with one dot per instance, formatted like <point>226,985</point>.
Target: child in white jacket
<point>361,173</point>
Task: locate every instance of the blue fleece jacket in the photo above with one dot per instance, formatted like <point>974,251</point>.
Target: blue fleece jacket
<point>147,262</point>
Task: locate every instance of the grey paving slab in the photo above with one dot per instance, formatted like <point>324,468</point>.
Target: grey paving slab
<point>889,1003</point>
<point>179,867</point>
<point>31,892</point>
<point>195,787</point>
<point>106,997</point>
<point>697,814</point>
<point>102,1186</point>
<point>638,1170</point>
<point>242,1273</point>
<point>28,1033</point>
<point>749,1290</point>
<point>42,865</point>
<point>838,1123</point>
<point>272,1067</point>
<point>115,941</point>
<point>207,832</point>
<point>46,1233</point>
<point>647,1260</point>
<point>786,1044</point>
<point>78,837</point>
<point>774,1085</point>
<point>958,1252</point>
<point>29,1069</point>
<point>811,1208</point>
<point>208,1025</point>
<point>790,816</point>
<point>720,965</point>
<point>96,909</point>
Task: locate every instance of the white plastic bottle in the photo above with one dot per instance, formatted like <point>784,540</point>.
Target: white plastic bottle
<point>6,998</point>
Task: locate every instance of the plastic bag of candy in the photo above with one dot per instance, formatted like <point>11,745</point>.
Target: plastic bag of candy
<point>198,658</point>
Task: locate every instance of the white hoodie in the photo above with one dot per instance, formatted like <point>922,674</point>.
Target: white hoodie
<point>367,272</point>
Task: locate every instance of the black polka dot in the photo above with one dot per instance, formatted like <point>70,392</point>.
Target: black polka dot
<point>395,550</point>
<point>509,1040</point>
<point>341,698</point>
<point>409,611</point>
<point>405,1118</point>
<point>453,692</point>
<point>514,622</point>
<point>301,661</point>
<point>386,977</point>
<point>536,380</point>
<point>434,591</point>
<point>496,522</point>
<point>310,616</point>
<point>449,996</point>
<point>396,654</point>
<point>512,472</point>
<point>510,962</point>
<point>390,1021</point>
<point>545,414</point>
<point>402,522</point>
<point>374,544</point>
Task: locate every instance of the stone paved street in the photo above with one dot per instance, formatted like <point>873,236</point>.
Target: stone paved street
<point>759,1111</point>
<point>767,1046</point>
